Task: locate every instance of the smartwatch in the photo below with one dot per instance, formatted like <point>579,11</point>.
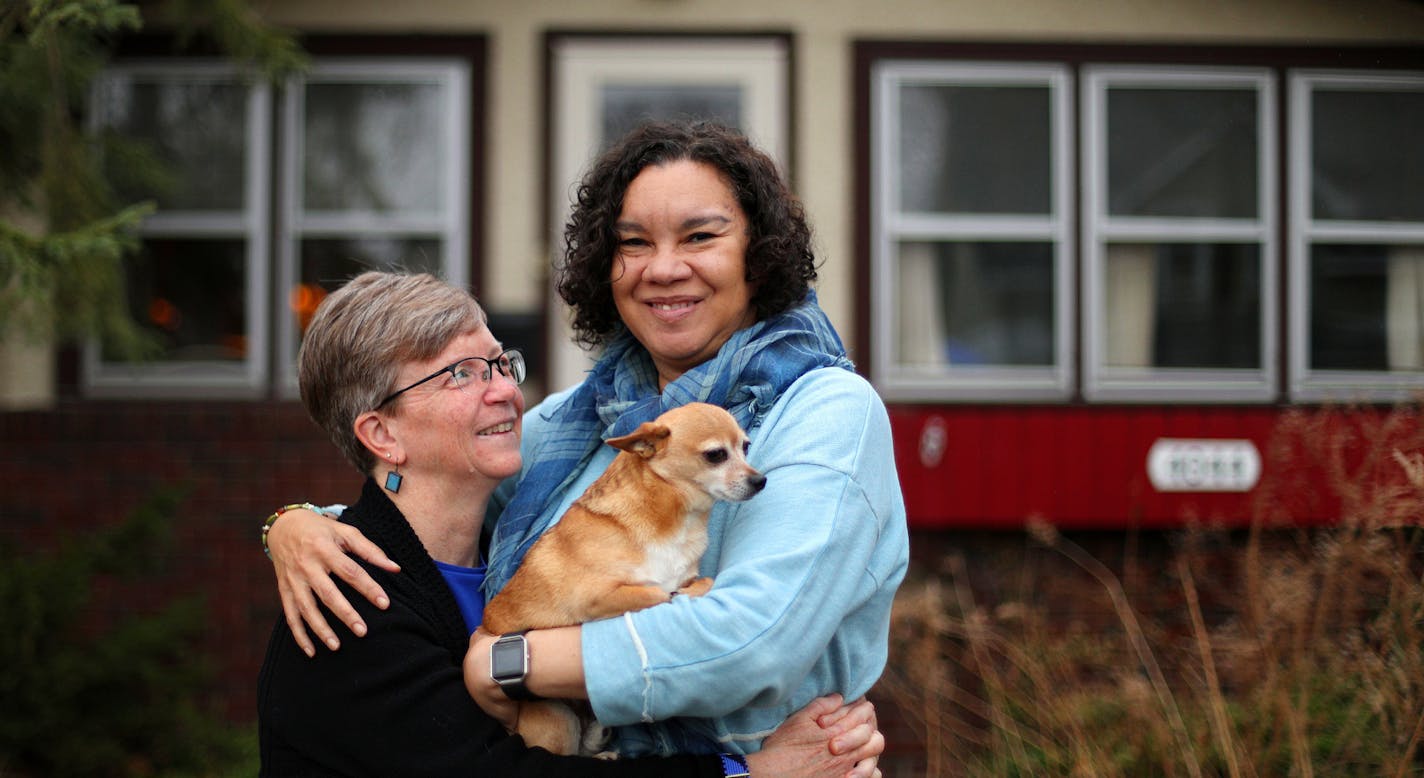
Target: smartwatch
<point>509,665</point>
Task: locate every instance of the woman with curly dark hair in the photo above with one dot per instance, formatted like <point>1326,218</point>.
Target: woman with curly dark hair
<point>780,263</point>
<point>688,263</point>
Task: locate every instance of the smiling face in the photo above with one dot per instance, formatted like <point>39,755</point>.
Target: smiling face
<point>679,278</point>
<point>452,434</point>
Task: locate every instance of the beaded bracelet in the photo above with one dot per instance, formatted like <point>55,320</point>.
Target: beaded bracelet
<point>267,525</point>
<point>735,766</point>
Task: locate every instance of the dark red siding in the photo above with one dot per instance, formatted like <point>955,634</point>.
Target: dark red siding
<point>1086,466</point>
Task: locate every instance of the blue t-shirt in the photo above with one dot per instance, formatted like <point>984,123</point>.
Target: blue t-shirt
<point>467,584</point>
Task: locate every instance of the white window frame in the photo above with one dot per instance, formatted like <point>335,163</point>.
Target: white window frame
<point>1105,383</point>
<point>1307,384</point>
<point>889,226</point>
<point>450,225</point>
<point>208,379</point>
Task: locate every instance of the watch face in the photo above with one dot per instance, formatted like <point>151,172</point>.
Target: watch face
<point>507,659</point>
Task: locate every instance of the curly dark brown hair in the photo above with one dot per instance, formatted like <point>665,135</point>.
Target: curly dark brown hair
<point>780,262</point>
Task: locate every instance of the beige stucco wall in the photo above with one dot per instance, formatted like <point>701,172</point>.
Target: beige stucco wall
<point>823,31</point>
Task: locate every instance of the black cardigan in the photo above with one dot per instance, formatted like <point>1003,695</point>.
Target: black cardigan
<point>394,703</point>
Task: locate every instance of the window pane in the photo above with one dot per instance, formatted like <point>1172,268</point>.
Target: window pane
<point>1182,152</point>
<point>377,147</point>
<point>975,149</point>
<point>191,295</point>
<point>1183,305</point>
<point>976,304</point>
<point>1367,307</point>
<point>1367,155</point>
<point>197,130</point>
<point>627,105</point>
<point>327,263</point>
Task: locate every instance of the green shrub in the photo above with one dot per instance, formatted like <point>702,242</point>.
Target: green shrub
<point>122,698</point>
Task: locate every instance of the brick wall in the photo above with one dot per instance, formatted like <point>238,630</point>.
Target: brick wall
<point>86,464</point>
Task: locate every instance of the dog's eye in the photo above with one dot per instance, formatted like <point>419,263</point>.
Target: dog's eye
<point>716,456</point>
<point>746,446</point>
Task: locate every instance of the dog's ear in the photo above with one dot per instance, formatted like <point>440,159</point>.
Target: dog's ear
<point>644,441</point>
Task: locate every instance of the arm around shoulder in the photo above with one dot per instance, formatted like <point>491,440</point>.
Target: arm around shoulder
<point>307,550</point>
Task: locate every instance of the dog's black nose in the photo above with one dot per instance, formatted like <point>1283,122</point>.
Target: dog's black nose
<point>757,482</point>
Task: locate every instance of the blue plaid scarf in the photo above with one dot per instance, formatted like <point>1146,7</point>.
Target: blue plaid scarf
<point>746,377</point>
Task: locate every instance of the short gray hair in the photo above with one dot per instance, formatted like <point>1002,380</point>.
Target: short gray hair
<point>360,337</point>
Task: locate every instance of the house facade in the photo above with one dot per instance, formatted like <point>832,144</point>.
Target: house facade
<point>1088,252</point>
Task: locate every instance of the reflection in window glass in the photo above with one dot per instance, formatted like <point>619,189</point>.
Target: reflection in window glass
<point>375,146</point>
<point>189,294</point>
<point>625,106</point>
<point>1182,152</point>
<point>327,263</point>
<point>1183,305</point>
<point>975,149</point>
<point>976,304</point>
<point>1367,307</point>
<point>1367,155</point>
<point>197,131</point>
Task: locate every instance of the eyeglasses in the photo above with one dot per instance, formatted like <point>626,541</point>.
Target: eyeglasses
<point>468,372</point>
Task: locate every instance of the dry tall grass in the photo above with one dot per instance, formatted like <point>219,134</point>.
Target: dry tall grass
<point>1274,651</point>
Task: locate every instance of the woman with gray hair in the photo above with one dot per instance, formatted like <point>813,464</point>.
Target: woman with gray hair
<point>404,375</point>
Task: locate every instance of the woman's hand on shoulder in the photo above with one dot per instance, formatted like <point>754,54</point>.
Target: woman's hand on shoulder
<point>825,738</point>
<point>307,549</point>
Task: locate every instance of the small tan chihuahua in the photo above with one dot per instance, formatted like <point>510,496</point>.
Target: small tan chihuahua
<point>632,540</point>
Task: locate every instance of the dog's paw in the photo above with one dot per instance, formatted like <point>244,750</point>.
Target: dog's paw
<point>595,740</point>
<point>696,587</point>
